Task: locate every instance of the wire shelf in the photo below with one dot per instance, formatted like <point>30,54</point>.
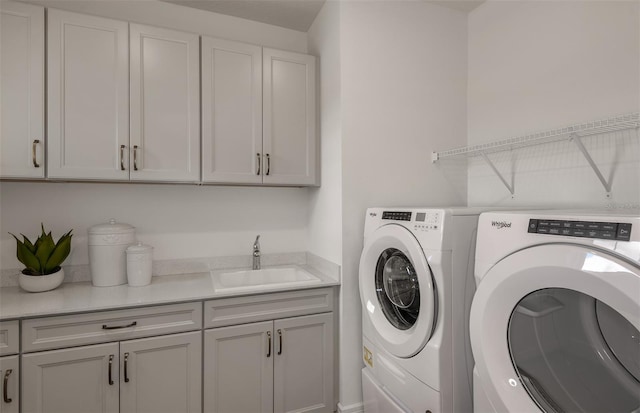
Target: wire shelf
<point>573,133</point>
<point>613,124</point>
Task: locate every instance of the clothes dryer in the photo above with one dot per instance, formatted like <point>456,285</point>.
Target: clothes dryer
<point>416,287</point>
<point>555,321</point>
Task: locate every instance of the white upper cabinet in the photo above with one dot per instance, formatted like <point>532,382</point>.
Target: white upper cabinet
<point>231,112</point>
<point>88,99</point>
<point>289,124</point>
<point>165,105</point>
<point>22,90</point>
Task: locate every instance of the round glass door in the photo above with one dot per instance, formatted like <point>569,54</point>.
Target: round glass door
<point>574,353</point>
<point>397,288</point>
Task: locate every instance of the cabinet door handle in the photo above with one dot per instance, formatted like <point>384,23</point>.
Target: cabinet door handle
<point>122,157</point>
<point>5,394</point>
<point>258,156</point>
<point>268,164</point>
<point>126,362</point>
<point>280,341</point>
<point>110,369</point>
<point>106,327</point>
<point>135,157</point>
<point>36,142</point>
<point>268,343</point>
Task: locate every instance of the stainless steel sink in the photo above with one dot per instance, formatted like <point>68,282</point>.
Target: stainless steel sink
<point>257,279</point>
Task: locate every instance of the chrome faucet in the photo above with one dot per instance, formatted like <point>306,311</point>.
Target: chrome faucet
<point>256,254</point>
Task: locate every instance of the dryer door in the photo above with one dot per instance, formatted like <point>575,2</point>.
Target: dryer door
<point>555,328</point>
<point>397,290</point>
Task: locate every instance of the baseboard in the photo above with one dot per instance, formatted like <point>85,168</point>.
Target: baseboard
<point>352,408</point>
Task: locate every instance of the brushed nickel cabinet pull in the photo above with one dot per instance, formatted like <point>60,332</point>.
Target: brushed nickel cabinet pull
<point>122,157</point>
<point>110,369</point>
<point>258,156</point>
<point>126,362</point>
<point>268,165</point>
<point>35,162</point>
<point>106,327</point>
<point>5,394</point>
<point>280,341</point>
<point>135,157</point>
<point>268,343</point>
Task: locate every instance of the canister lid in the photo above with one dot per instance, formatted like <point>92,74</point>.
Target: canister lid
<point>111,227</point>
<point>139,248</point>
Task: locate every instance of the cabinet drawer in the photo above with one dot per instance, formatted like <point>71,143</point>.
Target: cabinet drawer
<point>241,310</point>
<point>9,337</point>
<point>74,330</point>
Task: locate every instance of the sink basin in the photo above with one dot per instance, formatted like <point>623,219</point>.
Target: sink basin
<point>267,277</point>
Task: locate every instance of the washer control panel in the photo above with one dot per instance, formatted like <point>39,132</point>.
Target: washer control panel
<point>419,221</point>
<point>584,229</point>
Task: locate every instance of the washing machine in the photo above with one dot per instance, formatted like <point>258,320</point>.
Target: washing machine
<point>555,319</point>
<point>416,287</point>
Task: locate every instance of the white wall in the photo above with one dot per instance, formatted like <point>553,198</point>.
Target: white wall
<point>403,87</point>
<point>535,66</point>
<point>178,221</point>
<point>325,202</point>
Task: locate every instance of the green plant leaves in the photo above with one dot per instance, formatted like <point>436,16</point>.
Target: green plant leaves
<point>59,253</point>
<point>45,256</point>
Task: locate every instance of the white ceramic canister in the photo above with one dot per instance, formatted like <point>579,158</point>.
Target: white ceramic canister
<point>139,264</point>
<point>107,257</point>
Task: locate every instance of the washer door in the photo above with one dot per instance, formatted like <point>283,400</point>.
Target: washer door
<point>555,328</point>
<point>397,290</point>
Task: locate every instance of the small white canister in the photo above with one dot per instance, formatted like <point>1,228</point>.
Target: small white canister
<point>107,258</point>
<point>139,264</point>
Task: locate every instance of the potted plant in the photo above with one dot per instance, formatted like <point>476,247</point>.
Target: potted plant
<point>42,261</point>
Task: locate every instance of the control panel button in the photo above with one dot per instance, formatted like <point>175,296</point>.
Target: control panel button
<point>624,232</point>
<point>533,225</point>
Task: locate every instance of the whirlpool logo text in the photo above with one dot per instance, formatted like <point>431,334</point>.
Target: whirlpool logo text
<point>500,224</point>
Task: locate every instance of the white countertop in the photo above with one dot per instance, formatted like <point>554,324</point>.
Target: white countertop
<point>78,297</point>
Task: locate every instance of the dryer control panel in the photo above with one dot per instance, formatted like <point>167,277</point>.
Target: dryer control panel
<point>583,229</point>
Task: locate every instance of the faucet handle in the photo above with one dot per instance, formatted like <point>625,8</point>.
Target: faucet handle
<point>256,244</point>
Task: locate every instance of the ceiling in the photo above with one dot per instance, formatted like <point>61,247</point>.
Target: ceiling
<point>292,14</point>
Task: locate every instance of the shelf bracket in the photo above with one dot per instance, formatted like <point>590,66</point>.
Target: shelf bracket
<point>495,170</point>
<point>607,186</point>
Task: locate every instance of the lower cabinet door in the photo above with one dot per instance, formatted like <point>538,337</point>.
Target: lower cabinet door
<point>10,378</point>
<point>238,369</point>
<point>76,380</point>
<point>303,364</point>
<point>161,374</point>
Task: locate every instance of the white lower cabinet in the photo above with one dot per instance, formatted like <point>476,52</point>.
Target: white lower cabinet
<point>277,366</point>
<point>10,376</point>
<point>157,374</point>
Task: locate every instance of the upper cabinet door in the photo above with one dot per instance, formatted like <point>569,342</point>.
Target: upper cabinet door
<point>231,112</point>
<point>289,128</point>
<point>88,112</point>
<point>165,105</point>
<point>22,89</point>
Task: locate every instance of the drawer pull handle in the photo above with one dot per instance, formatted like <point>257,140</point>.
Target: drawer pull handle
<point>268,343</point>
<point>126,362</point>
<point>258,156</point>
<point>106,327</point>
<point>110,369</point>
<point>122,157</point>
<point>5,394</point>
<point>268,165</point>
<point>280,341</point>
<point>135,157</point>
<point>35,144</point>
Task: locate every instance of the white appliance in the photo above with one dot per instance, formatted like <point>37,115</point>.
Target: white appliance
<point>416,287</point>
<point>555,319</point>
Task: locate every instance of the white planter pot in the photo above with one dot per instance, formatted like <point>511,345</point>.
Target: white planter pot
<point>40,283</point>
